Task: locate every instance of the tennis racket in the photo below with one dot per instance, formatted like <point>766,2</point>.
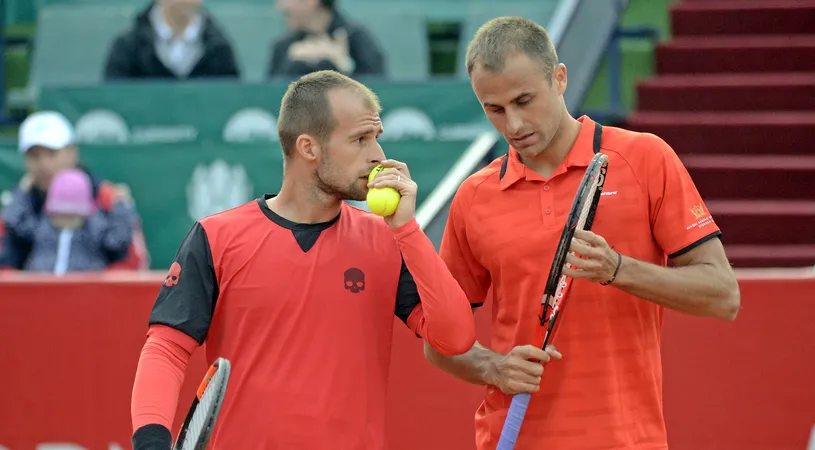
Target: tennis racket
<point>580,217</point>
<point>206,405</point>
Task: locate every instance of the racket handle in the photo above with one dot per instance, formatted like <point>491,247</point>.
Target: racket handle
<point>512,424</point>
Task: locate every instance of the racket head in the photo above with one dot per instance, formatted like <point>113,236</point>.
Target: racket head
<point>581,217</point>
<point>206,406</point>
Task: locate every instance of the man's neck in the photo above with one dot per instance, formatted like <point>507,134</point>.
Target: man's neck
<point>303,203</point>
<point>320,21</point>
<point>545,162</point>
<point>177,22</point>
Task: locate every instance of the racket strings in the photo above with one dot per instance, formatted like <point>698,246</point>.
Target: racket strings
<point>199,423</point>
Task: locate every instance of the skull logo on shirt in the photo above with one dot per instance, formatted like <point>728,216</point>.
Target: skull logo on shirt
<point>172,276</point>
<point>354,280</point>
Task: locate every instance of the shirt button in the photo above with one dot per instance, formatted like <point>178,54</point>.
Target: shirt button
<point>548,211</point>
<point>546,188</point>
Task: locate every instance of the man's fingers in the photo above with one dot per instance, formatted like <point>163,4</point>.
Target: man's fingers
<point>516,387</point>
<point>553,352</point>
<point>582,264</point>
<point>527,374</point>
<point>592,239</point>
<point>389,173</point>
<point>399,165</point>
<point>587,236</point>
<point>575,273</point>
<point>534,369</point>
<point>583,248</point>
<point>530,352</point>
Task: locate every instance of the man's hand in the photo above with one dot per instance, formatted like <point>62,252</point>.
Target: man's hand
<point>396,175</point>
<point>591,258</point>
<point>27,182</point>
<point>324,47</point>
<point>518,372</point>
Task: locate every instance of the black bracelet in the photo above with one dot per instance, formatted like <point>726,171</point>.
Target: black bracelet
<point>619,263</point>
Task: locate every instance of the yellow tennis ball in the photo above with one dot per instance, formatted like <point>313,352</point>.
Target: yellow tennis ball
<point>382,201</point>
<point>375,171</point>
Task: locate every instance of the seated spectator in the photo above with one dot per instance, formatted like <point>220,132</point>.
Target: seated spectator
<point>172,39</point>
<point>73,235</point>
<point>322,39</point>
<point>46,139</point>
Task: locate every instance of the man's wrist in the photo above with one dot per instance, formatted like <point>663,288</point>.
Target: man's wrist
<point>152,437</point>
<point>613,277</point>
<point>487,362</point>
<point>400,231</point>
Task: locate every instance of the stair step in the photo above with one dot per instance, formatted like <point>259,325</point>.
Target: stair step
<point>766,177</point>
<point>766,222</point>
<point>746,17</point>
<point>743,256</point>
<point>793,91</point>
<point>739,54</point>
<point>790,133</point>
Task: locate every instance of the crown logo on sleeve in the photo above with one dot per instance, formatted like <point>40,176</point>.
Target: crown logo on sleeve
<point>698,211</point>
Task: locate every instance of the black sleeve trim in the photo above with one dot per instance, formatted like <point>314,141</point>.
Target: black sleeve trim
<point>152,437</point>
<point>407,294</point>
<point>710,236</point>
<point>187,298</point>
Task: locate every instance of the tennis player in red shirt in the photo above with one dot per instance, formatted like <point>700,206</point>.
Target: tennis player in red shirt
<point>504,226</point>
<point>299,291</point>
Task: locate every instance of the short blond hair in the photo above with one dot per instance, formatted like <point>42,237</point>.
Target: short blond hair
<point>502,36</point>
<point>305,108</point>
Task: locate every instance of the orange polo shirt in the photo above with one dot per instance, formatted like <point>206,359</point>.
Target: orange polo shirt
<point>503,229</point>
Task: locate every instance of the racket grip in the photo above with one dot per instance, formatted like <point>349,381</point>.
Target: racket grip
<point>512,424</point>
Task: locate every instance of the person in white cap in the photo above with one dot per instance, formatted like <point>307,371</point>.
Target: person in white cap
<point>47,142</point>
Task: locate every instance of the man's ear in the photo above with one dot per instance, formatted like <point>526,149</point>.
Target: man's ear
<point>308,147</point>
<point>560,78</point>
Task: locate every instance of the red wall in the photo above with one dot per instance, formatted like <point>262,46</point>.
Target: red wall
<point>70,347</point>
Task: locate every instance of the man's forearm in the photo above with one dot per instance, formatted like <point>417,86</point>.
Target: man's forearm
<point>697,289</point>
<point>447,320</point>
<point>477,366</point>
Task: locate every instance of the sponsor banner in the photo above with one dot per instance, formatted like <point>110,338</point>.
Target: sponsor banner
<point>221,111</point>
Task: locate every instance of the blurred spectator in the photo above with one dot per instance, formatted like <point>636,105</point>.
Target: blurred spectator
<point>172,39</point>
<point>73,235</point>
<point>322,39</point>
<point>46,139</point>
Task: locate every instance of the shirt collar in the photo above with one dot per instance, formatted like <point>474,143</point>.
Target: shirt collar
<point>191,34</point>
<point>580,155</point>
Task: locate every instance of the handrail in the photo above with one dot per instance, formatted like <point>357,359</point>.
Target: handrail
<point>463,168</point>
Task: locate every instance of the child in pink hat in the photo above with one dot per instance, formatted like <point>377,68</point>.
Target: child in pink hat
<point>74,234</point>
<point>70,199</point>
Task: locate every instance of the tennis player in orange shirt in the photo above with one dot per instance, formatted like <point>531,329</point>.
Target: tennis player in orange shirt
<point>504,225</point>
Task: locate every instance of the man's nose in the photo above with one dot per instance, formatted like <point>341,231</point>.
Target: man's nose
<point>377,154</point>
<point>514,123</point>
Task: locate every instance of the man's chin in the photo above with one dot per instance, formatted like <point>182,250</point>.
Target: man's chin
<point>357,197</point>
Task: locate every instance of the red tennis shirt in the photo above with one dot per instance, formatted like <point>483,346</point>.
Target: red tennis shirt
<point>305,314</point>
<point>503,229</point>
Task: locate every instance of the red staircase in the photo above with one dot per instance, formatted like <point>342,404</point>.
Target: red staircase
<point>734,95</point>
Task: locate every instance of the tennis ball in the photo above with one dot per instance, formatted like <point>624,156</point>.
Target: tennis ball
<point>382,201</point>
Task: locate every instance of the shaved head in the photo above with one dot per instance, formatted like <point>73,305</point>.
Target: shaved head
<point>306,108</point>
